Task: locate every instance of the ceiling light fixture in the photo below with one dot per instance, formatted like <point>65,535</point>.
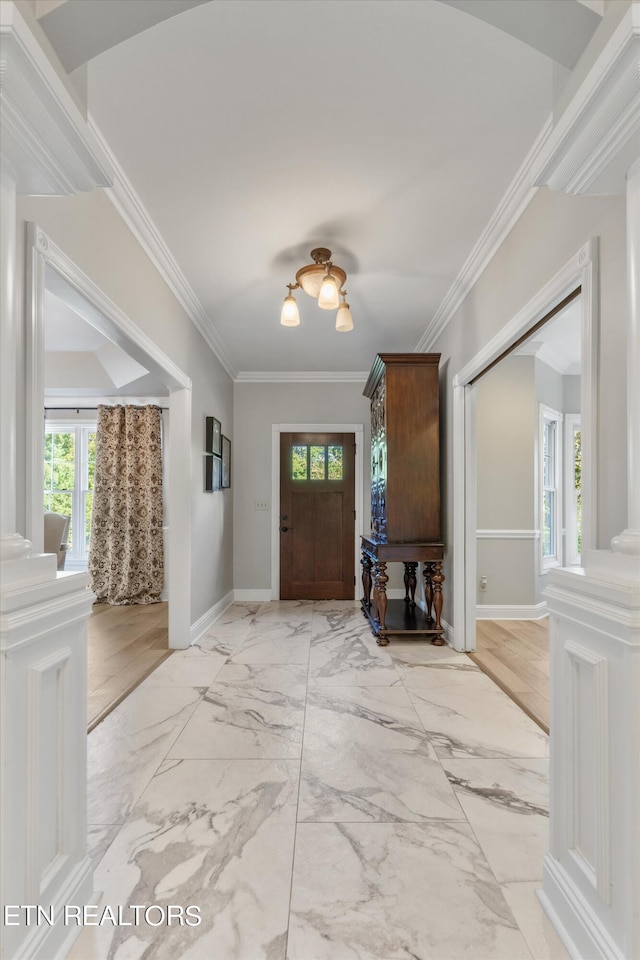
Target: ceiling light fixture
<point>324,281</point>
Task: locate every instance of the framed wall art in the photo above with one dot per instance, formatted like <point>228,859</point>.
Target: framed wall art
<point>213,436</point>
<point>226,463</point>
<point>212,473</point>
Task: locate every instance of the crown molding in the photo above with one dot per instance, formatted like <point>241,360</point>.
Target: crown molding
<point>133,212</point>
<point>518,196</point>
<point>301,376</point>
<point>602,122</point>
<point>45,139</point>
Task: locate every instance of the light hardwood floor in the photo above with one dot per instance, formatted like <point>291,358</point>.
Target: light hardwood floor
<point>515,654</point>
<point>125,644</point>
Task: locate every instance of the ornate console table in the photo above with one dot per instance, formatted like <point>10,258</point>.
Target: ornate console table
<point>402,617</point>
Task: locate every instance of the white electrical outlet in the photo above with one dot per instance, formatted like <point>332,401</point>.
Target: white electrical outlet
<point>262,505</point>
<point>483,584</point>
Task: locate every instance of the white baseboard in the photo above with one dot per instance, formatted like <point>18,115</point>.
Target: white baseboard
<point>448,629</point>
<point>246,596</point>
<point>577,924</point>
<point>508,611</point>
<point>448,632</point>
<point>207,619</point>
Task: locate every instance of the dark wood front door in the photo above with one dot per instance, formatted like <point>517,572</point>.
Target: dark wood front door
<point>317,516</point>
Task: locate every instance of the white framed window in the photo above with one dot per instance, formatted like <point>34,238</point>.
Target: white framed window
<point>573,488</point>
<point>550,487</point>
<point>69,469</point>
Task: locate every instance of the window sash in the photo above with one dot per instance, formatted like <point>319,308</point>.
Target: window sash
<point>80,491</point>
<point>550,488</point>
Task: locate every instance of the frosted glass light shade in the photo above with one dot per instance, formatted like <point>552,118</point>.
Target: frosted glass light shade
<point>328,298</point>
<point>344,320</point>
<point>290,316</point>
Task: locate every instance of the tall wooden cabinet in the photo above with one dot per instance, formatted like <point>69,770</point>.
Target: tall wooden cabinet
<point>405,494</point>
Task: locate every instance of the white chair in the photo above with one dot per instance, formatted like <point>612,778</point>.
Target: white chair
<point>56,530</point>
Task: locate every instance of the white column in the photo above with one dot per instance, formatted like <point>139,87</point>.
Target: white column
<point>43,761</point>
<point>628,542</point>
<point>12,545</point>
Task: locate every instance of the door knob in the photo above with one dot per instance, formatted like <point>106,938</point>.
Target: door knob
<point>285,529</point>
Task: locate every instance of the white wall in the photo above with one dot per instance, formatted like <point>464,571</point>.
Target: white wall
<point>505,419</point>
<point>256,407</point>
<point>571,394</point>
<point>90,231</point>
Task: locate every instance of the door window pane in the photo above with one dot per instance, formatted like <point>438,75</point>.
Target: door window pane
<point>335,460</point>
<point>318,462</point>
<point>299,466</point>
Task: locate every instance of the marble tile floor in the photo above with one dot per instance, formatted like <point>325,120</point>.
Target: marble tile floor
<point>315,796</point>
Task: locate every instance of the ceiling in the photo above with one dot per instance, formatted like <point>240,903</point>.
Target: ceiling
<point>254,130</point>
<point>79,360</point>
<point>558,343</point>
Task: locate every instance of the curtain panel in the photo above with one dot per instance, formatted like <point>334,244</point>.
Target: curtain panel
<point>126,556</point>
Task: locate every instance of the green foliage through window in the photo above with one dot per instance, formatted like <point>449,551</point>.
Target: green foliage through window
<point>317,462</point>
<point>335,462</point>
<point>69,475</point>
<point>299,465</point>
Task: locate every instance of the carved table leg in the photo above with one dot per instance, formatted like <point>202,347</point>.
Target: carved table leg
<point>366,579</point>
<point>438,579</point>
<point>381,580</point>
<point>428,588</point>
<point>410,582</point>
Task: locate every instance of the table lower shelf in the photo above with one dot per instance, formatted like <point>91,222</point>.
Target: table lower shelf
<point>403,620</point>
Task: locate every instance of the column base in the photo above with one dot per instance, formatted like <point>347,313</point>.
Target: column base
<point>13,547</point>
<point>627,543</point>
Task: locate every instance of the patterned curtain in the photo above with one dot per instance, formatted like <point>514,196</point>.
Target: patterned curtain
<point>126,558</point>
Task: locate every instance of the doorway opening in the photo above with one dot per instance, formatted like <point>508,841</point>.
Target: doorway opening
<point>139,372</point>
<point>528,462</point>
<point>577,279</point>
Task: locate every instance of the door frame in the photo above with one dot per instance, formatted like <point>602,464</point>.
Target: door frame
<point>580,271</point>
<point>276,430</point>
<point>100,312</point>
